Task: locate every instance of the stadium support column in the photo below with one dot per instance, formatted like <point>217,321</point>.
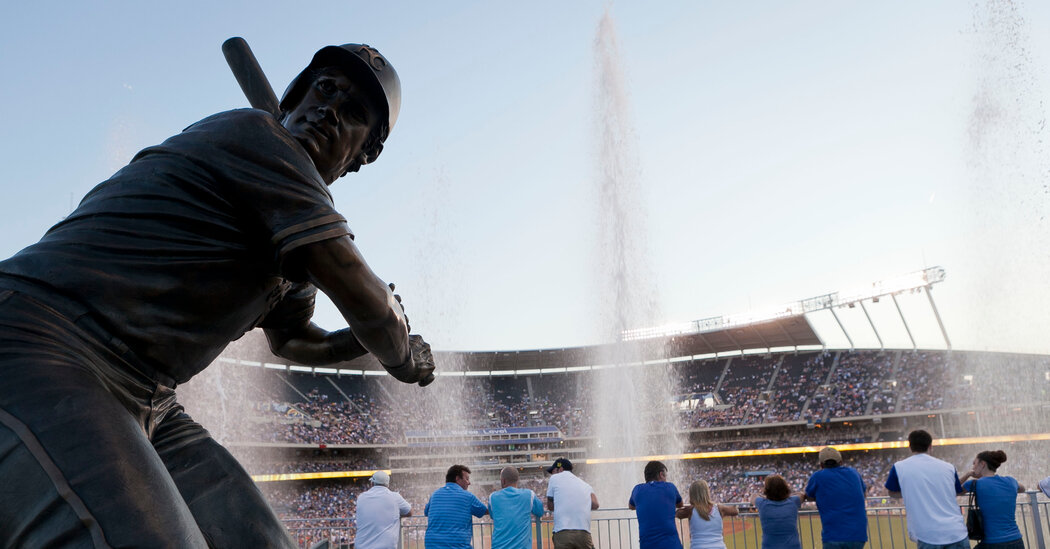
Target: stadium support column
<point>841,327</point>
<point>901,315</point>
<point>882,346</point>
<point>937,315</point>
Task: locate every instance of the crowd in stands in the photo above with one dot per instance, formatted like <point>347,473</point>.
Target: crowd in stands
<point>792,397</point>
<point>798,380</point>
<point>294,465</point>
<point>854,382</point>
<point>925,388</point>
<point>313,512</point>
<point>738,480</point>
<point>743,390</point>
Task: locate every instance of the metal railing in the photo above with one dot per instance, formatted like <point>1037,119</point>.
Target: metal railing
<point>618,528</point>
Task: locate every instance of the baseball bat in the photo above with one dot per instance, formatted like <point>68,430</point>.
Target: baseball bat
<point>250,75</point>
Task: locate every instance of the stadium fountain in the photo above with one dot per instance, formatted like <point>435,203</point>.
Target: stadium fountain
<point>1007,164</point>
<point>633,412</point>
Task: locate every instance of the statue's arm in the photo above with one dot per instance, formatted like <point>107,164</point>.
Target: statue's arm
<point>293,336</point>
<point>311,345</point>
<point>376,319</point>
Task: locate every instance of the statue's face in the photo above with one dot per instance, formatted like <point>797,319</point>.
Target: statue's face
<point>332,122</point>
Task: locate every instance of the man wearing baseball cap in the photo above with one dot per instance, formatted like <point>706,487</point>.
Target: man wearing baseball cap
<point>839,493</point>
<point>379,513</point>
<point>571,500</point>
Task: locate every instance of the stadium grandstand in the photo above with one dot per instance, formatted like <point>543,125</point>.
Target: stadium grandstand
<point>753,396</point>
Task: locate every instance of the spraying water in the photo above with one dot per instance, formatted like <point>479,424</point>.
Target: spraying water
<point>1007,187</point>
<point>634,416</point>
<point>1006,157</point>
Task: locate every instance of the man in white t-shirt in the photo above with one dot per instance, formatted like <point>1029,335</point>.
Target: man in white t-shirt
<point>929,487</point>
<point>571,500</point>
<point>379,513</point>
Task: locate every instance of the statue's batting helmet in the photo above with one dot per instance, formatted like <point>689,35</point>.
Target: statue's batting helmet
<point>358,60</point>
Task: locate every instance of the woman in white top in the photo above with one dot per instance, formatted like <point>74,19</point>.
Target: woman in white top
<point>705,518</point>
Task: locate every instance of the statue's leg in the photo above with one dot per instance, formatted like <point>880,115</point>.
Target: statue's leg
<point>76,467</point>
<point>226,503</point>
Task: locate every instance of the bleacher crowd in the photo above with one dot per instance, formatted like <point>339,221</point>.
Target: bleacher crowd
<point>752,390</point>
<point>795,395</point>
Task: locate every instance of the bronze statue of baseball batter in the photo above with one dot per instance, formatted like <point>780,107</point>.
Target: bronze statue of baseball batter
<point>223,228</point>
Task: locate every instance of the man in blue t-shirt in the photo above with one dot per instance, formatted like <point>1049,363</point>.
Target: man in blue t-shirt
<point>449,510</point>
<point>839,493</point>
<point>511,509</point>
<point>655,501</point>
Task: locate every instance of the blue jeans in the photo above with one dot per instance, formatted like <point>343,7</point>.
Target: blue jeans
<point>961,544</point>
<point>844,544</point>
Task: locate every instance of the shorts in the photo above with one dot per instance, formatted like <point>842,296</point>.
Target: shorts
<point>573,539</point>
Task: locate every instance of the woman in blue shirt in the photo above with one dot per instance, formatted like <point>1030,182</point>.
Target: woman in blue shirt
<point>997,498</point>
<point>778,513</point>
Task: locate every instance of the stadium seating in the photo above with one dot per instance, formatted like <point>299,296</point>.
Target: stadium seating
<point>280,421</point>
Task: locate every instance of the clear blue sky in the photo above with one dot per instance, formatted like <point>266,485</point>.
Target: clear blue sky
<point>785,149</point>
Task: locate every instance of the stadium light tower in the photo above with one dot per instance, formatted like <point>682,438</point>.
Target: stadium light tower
<point>918,281</point>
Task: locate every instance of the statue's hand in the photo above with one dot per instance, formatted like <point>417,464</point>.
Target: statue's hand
<point>419,368</point>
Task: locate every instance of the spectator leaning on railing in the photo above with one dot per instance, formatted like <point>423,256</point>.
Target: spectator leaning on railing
<point>511,509</point>
<point>571,501</point>
<point>379,513</point>
<point>929,487</point>
<point>839,493</point>
<point>449,510</point>
<point>997,499</point>
<point>705,517</point>
<point>778,513</point>
<point>655,500</point>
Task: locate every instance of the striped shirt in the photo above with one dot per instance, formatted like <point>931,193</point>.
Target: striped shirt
<point>449,517</point>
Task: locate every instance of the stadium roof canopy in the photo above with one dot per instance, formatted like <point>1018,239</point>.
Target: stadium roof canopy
<point>781,334</point>
<point>780,330</point>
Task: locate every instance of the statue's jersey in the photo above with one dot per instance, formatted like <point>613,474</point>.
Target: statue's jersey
<point>182,251</point>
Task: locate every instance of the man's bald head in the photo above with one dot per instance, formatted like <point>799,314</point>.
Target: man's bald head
<point>508,477</point>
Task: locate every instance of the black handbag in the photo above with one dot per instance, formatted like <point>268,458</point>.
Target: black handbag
<point>974,520</point>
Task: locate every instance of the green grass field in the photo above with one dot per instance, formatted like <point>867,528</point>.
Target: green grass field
<point>884,531</point>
